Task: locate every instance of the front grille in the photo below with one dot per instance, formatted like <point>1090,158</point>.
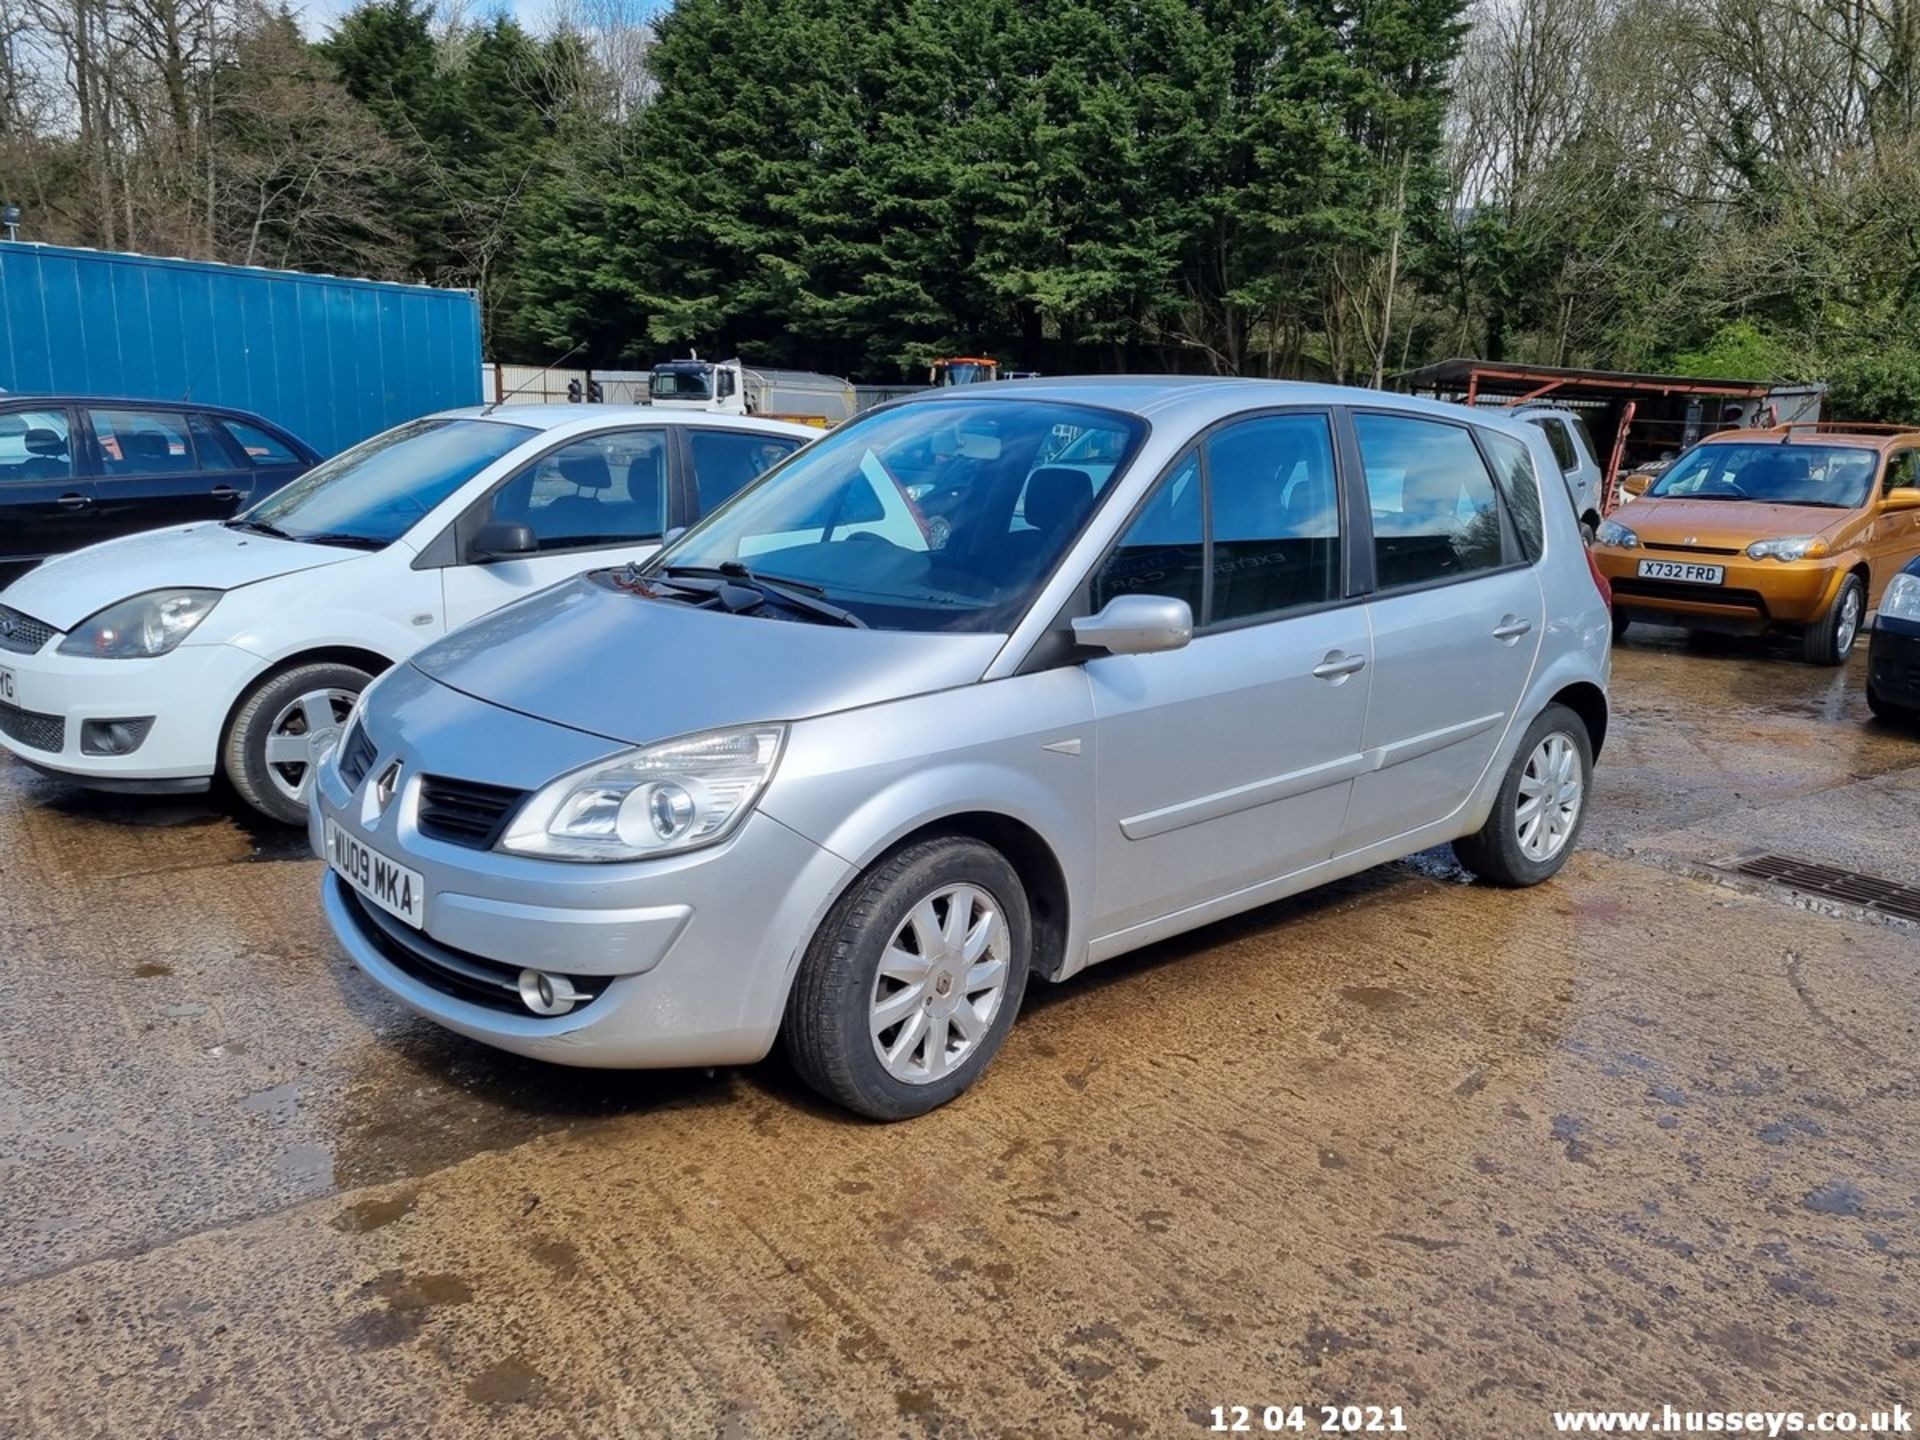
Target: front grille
<point>465,812</point>
<point>357,756</point>
<point>22,634</point>
<point>1691,549</point>
<point>456,973</point>
<point>1870,892</point>
<point>32,729</point>
<point>1634,588</point>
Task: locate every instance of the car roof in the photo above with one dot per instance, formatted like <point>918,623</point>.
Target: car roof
<point>1824,432</point>
<point>1197,399</point>
<point>554,416</point>
<point>134,402</point>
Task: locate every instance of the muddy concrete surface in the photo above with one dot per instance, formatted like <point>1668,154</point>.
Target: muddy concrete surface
<point>1648,1134</point>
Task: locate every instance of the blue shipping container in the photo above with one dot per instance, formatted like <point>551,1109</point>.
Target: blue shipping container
<point>331,359</point>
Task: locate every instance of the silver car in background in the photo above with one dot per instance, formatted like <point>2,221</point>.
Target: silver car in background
<point>827,772</point>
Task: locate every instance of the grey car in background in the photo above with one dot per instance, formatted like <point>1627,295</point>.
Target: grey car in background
<point>827,772</point>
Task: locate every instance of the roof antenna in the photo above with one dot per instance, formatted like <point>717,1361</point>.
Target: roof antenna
<point>493,405</point>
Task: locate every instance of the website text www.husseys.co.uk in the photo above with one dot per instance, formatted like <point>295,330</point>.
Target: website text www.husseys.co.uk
<point>1670,1420</point>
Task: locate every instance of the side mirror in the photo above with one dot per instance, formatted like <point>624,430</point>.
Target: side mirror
<point>1136,625</point>
<point>502,540</point>
<point>1904,497</point>
<point>1636,484</point>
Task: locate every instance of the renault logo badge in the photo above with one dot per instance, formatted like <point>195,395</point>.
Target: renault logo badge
<point>384,787</point>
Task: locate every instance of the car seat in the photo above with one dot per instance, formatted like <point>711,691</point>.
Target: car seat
<point>581,515</point>
<point>1058,499</point>
<point>148,450</point>
<point>51,458</point>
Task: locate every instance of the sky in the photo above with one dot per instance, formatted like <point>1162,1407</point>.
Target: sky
<point>318,16</point>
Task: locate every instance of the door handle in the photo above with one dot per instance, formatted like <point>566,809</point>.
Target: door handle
<point>1338,665</point>
<point>74,502</point>
<point>224,492</point>
<point>1511,627</point>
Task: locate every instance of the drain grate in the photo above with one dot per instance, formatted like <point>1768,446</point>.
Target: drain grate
<point>1870,892</point>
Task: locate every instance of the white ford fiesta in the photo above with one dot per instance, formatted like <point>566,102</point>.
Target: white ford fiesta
<point>237,648</point>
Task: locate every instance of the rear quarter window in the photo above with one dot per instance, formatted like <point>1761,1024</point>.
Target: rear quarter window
<point>1513,472</point>
<point>258,446</point>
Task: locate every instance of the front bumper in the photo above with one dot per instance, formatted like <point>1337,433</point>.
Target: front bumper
<point>1754,596</point>
<point>188,693</point>
<point>1893,663</point>
<point>687,959</point>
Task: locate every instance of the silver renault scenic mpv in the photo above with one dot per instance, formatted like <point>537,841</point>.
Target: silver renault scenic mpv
<point>995,683</point>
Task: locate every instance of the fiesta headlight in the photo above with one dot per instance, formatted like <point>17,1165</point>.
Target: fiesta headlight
<point>1612,532</point>
<point>142,627</point>
<point>1902,600</point>
<point>657,800</point>
<point>1791,547</point>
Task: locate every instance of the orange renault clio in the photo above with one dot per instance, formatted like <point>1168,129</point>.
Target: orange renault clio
<point>1797,528</point>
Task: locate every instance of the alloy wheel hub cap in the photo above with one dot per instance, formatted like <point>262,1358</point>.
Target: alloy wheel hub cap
<point>940,984</point>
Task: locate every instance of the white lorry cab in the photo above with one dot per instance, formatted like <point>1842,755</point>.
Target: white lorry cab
<point>731,387</point>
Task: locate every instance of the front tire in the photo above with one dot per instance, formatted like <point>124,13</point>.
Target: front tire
<point>1830,641</point>
<point>279,730</point>
<point>913,980</point>
<point>1540,807</point>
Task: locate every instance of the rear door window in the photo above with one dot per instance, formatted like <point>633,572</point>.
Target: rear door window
<point>1436,516</point>
<point>143,442</point>
<point>727,461</point>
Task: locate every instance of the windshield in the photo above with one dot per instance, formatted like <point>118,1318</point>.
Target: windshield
<point>927,516</point>
<point>1782,474</point>
<point>375,492</point>
<point>680,385</point>
<point>961,372</point>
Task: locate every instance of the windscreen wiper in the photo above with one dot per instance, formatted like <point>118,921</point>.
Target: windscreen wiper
<point>797,594</point>
<point>258,527</point>
<point>340,537</point>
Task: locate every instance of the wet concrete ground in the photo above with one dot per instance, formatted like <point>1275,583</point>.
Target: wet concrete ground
<point>1644,1135</point>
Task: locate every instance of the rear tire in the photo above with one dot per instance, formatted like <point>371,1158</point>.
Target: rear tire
<point>269,752</point>
<point>846,1009</point>
<point>1541,805</point>
<point>1830,641</point>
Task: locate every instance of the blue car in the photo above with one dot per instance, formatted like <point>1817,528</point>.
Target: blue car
<point>76,470</point>
<point>1893,658</point>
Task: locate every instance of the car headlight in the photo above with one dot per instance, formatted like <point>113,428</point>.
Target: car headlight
<point>657,800</point>
<point>1902,600</point>
<point>140,628</point>
<point>1612,532</point>
<point>1792,547</point>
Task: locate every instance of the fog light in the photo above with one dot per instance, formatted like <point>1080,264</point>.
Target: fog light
<point>546,994</point>
<point>114,737</point>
